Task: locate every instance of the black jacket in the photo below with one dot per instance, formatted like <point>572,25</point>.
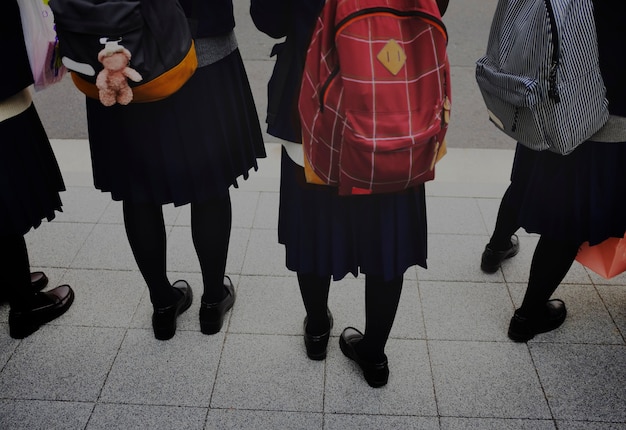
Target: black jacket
<point>611,37</point>
<point>15,73</point>
<point>213,17</point>
<point>294,19</point>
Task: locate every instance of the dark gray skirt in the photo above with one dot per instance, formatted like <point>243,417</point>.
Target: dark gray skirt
<point>30,179</point>
<point>189,147</point>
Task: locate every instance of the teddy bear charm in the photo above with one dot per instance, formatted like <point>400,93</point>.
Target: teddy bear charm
<point>112,81</point>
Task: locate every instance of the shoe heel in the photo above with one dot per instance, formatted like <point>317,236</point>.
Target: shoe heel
<point>22,329</point>
<point>164,333</point>
<point>211,327</point>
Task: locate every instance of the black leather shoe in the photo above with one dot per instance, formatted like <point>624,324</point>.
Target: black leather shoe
<point>38,280</point>
<point>46,307</point>
<point>551,317</point>
<point>212,314</point>
<point>376,374</point>
<point>491,259</point>
<point>164,319</point>
<point>316,344</point>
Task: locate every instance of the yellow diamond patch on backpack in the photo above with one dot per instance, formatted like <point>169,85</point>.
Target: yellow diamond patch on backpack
<point>392,56</point>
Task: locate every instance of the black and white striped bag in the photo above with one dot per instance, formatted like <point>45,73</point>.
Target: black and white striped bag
<point>540,77</point>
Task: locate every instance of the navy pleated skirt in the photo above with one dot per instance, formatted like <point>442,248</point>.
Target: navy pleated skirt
<point>578,197</point>
<point>327,234</point>
<point>189,147</point>
<point>30,179</point>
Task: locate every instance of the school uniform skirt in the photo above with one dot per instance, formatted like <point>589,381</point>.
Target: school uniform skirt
<point>331,235</point>
<point>577,197</point>
<point>30,179</point>
<point>189,147</point>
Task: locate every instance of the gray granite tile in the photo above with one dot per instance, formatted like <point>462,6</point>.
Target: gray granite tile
<point>179,371</point>
<point>408,392</point>
<point>409,321</point>
<point>271,373</point>
<point>171,213</point>
<point>106,248</point>
<point>103,298</point>
<point>264,255</point>
<point>347,303</point>
<point>237,250</point>
<point>244,206</point>
<point>182,255</point>
<point>489,212</point>
<point>113,213</point>
<point>61,363</point>
<point>599,280</point>
<point>7,343</point>
<point>486,380</point>
<point>268,305</point>
<point>589,425</point>
<point>83,205</point>
<point>368,422</point>
<point>253,43</point>
<point>266,215</point>
<point>57,244</point>
<point>495,424</point>
<point>588,320</point>
<point>454,257</point>
<point>614,298</point>
<point>465,310</point>
<point>36,414</point>
<point>454,216</point>
<point>411,274</point>
<point>143,417</point>
<point>583,382</point>
<point>233,419</point>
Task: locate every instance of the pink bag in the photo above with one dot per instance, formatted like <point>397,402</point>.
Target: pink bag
<point>607,259</point>
<point>41,43</point>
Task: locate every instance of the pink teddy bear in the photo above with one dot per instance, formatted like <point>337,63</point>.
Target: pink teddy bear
<point>112,80</point>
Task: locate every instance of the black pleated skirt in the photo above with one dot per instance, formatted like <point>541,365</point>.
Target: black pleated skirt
<point>30,179</point>
<point>327,234</point>
<point>189,147</point>
<point>577,197</point>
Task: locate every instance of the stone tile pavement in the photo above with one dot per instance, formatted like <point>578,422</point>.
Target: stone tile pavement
<point>452,366</point>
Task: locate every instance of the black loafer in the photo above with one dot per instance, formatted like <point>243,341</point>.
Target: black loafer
<point>376,374</point>
<point>48,306</point>
<point>522,329</point>
<point>38,280</point>
<point>316,344</point>
<point>164,319</point>
<point>212,314</point>
<point>492,259</point>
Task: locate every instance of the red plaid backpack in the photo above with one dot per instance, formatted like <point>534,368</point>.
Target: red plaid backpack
<point>375,96</point>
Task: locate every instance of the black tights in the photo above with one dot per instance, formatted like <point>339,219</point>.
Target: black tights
<point>15,268</point>
<point>210,229</point>
<point>551,261</point>
<point>381,304</point>
<point>506,224</point>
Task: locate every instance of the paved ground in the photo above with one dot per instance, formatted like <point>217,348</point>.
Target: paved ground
<point>452,366</point>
